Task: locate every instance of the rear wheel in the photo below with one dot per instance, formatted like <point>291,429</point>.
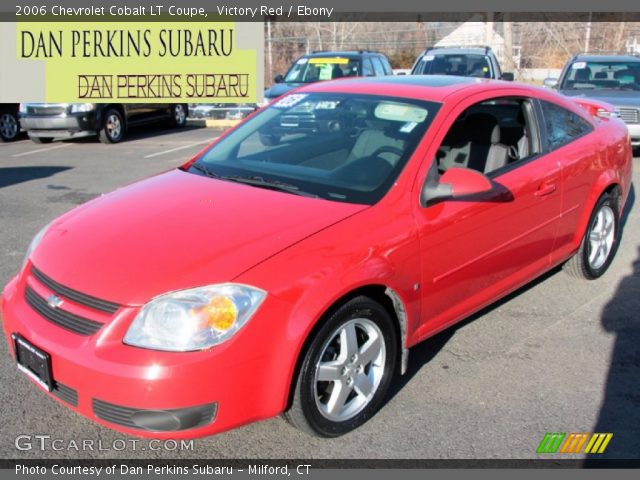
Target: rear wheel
<point>600,241</point>
<point>112,130</point>
<point>346,370</point>
<point>9,126</point>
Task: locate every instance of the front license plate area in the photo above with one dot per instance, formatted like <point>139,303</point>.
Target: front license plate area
<point>33,361</point>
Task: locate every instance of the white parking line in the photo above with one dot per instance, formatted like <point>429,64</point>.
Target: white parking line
<point>41,150</point>
<point>179,148</point>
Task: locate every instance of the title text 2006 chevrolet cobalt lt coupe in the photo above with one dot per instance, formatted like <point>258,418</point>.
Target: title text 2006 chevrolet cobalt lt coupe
<point>291,265</point>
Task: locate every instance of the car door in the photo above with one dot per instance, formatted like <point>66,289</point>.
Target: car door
<point>472,252</point>
<point>566,141</point>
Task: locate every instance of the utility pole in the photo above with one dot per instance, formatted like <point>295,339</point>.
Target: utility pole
<point>488,31</point>
<point>269,52</point>
<point>587,35</point>
<point>508,43</point>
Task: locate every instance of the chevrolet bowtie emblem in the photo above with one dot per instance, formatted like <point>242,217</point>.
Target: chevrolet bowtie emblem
<point>54,301</point>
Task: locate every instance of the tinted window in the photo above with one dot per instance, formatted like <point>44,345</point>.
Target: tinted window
<point>387,66</point>
<point>563,126</point>
<point>341,147</point>
<point>377,67</point>
<point>367,68</point>
<point>616,75</point>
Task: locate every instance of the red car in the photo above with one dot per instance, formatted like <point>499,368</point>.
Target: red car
<point>291,265</point>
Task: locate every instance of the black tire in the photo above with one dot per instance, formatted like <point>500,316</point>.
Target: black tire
<point>178,114</point>
<point>9,126</point>
<point>113,127</point>
<point>307,411</point>
<point>582,264</point>
<point>41,139</point>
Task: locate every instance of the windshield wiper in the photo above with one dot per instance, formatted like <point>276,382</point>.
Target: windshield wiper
<point>205,170</point>
<point>258,181</point>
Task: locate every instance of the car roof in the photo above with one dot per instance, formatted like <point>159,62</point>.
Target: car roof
<point>432,87</point>
<point>606,58</point>
<point>458,50</point>
<point>346,53</point>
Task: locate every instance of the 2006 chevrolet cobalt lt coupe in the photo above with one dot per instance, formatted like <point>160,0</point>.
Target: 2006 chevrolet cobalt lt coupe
<point>291,265</point>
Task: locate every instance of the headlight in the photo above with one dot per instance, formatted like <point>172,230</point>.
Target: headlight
<point>34,243</point>
<point>194,319</point>
<point>22,108</point>
<point>81,107</point>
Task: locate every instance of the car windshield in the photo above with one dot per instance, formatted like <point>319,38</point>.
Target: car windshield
<point>308,70</point>
<point>616,75</point>
<point>464,65</point>
<point>336,146</point>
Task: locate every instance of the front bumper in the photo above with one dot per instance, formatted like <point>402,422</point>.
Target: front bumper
<point>152,393</point>
<point>65,125</point>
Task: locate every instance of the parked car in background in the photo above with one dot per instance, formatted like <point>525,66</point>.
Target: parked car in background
<point>614,79</point>
<point>9,122</point>
<point>46,121</point>
<point>329,65</point>
<point>218,111</point>
<point>292,264</point>
<point>480,62</point>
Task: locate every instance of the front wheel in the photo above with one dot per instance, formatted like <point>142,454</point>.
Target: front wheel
<point>600,241</point>
<point>9,126</point>
<point>112,130</point>
<point>346,370</point>
<point>178,116</point>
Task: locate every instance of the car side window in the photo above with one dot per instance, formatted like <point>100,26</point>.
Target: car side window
<point>377,67</point>
<point>490,136</point>
<point>367,68</point>
<point>562,126</point>
<point>386,65</point>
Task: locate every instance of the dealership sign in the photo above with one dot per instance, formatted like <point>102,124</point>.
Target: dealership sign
<point>150,62</point>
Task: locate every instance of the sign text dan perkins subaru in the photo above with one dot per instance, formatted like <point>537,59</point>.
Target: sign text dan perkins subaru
<point>290,266</point>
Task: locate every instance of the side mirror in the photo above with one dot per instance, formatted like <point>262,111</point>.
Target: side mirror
<point>454,183</point>
<point>550,82</point>
<point>508,76</point>
<point>278,79</point>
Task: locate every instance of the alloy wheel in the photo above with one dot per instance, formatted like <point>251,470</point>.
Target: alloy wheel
<point>601,237</point>
<point>8,126</point>
<point>350,369</point>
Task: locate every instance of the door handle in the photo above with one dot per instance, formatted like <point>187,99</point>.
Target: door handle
<point>545,189</point>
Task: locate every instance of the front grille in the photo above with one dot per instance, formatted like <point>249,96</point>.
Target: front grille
<point>62,318</point>
<point>66,394</point>
<point>46,109</point>
<point>75,296</point>
<point>185,418</point>
<point>629,115</point>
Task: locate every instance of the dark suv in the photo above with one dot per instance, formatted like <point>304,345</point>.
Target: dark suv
<point>328,65</point>
<point>614,79</point>
<point>46,121</point>
<point>478,62</point>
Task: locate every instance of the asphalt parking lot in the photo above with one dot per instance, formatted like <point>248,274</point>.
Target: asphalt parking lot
<point>558,356</point>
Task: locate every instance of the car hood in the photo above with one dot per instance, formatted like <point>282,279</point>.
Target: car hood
<point>280,89</point>
<point>614,97</point>
<point>174,231</point>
